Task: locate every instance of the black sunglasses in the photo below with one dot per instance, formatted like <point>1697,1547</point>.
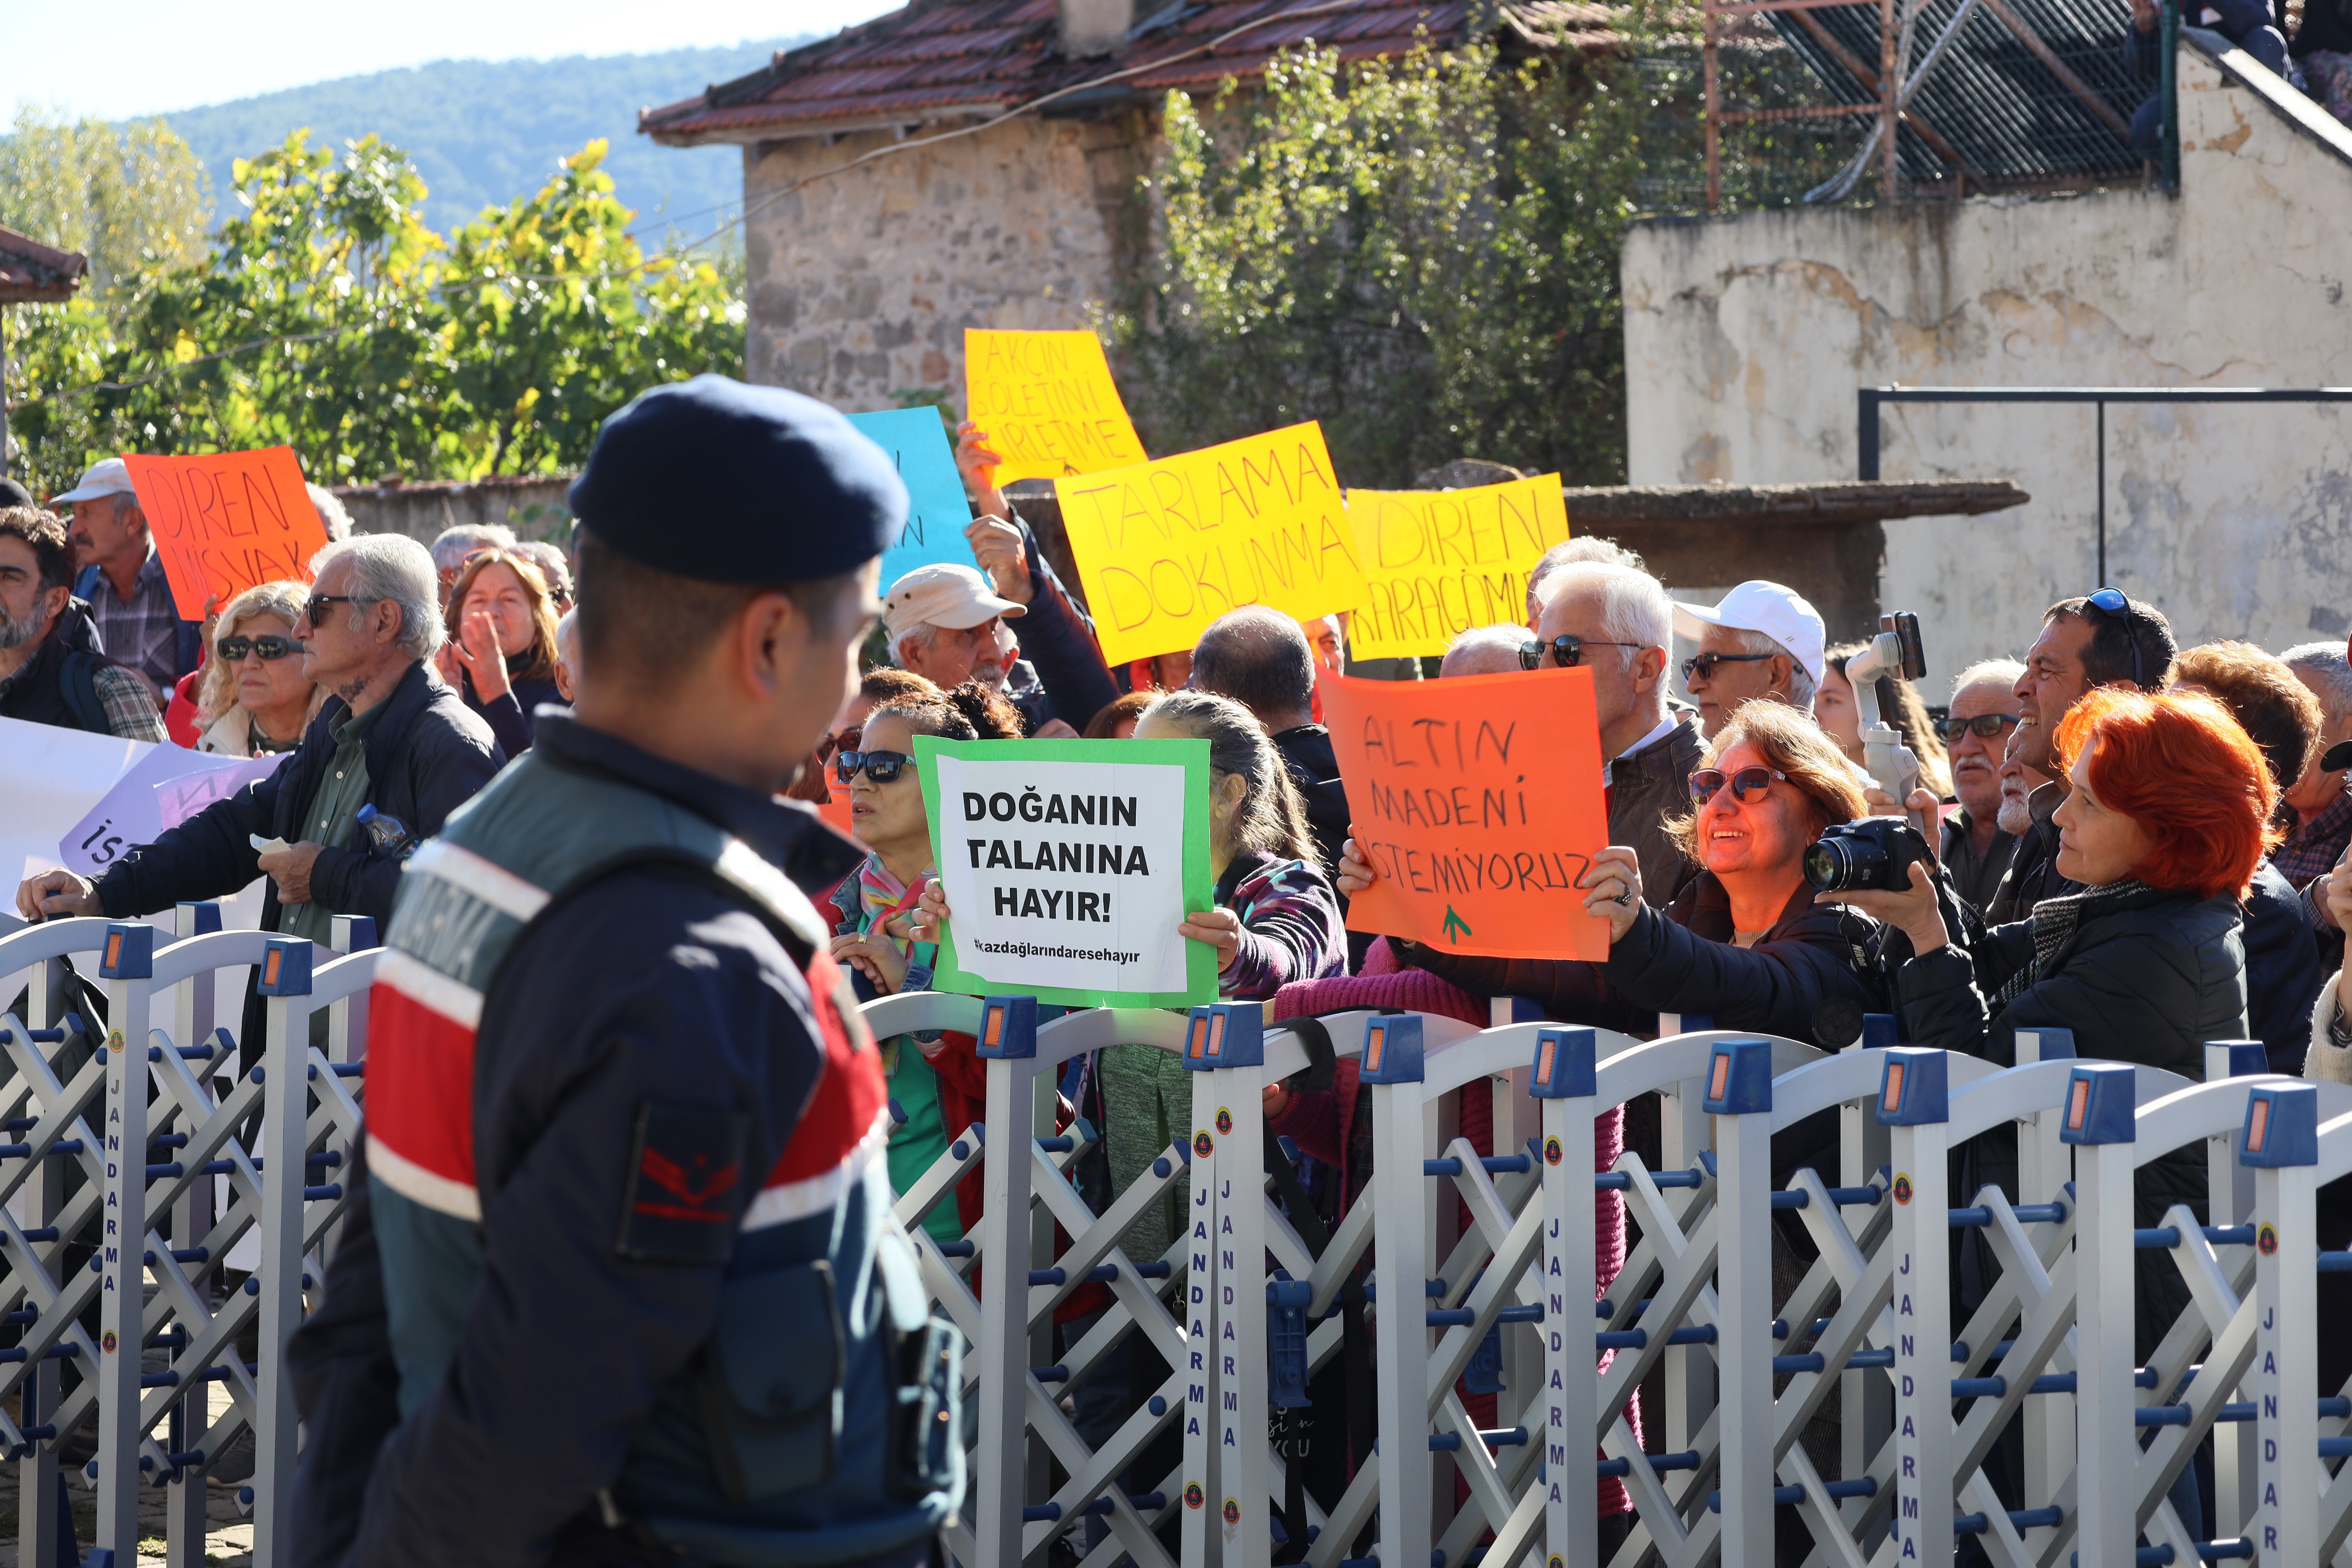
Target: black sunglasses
<point>320,601</point>
<point>1701,667</point>
<point>1987,726</point>
<point>2111,601</point>
<point>1567,652</point>
<point>231,649</point>
<point>882,767</point>
<point>1749,785</point>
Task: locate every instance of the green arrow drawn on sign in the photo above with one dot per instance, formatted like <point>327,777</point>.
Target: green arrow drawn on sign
<point>1454,922</point>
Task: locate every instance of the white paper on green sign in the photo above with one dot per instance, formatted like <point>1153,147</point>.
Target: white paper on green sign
<point>1065,875</point>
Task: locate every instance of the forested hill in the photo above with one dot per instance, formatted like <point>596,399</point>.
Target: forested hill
<point>485,132</point>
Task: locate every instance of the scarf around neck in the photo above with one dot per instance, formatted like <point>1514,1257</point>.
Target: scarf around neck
<point>2055,921</point>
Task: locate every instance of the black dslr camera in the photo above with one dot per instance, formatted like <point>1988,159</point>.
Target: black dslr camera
<point>1872,855</point>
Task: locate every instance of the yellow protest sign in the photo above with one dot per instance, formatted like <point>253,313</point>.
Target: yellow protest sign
<point>1165,548</point>
<point>1438,563</point>
<point>1047,402</point>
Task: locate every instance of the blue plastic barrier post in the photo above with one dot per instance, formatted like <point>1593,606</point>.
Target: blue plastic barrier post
<point>1562,1084</point>
<point>285,982</point>
<point>2279,1147</point>
<point>2098,1121</point>
<point>1739,1097</point>
<point>1912,1103</point>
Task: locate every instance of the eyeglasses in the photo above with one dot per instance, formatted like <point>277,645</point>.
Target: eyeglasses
<point>232,649</point>
<point>320,601</point>
<point>882,767</point>
<point>2111,601</point>
<point>1702,667</point>
<point>1749,785</point>
<point>1567,652</point>
<point>827,745</point>
<point>1985,726</point>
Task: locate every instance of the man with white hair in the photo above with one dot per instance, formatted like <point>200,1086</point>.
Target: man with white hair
<point>451,546</point>
<point>389,735</point>
<point>1977,849</point>
<point>1483,650</point>
<point>123,582</point>
<point>1586,549</point>
<point>1758,640</point>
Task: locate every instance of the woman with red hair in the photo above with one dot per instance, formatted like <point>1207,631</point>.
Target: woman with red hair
<point>2168,815</point>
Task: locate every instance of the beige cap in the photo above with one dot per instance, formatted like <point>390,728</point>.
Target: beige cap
<point>943,595</point>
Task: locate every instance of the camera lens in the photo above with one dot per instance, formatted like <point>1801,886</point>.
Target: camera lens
<point>1842,864</point>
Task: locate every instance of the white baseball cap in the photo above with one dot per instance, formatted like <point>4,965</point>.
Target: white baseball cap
<point>943,595</point>
<point>1780,614</point>
<point>108,476</point>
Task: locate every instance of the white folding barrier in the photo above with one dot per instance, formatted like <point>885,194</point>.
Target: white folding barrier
<point>124,1186</point>
<point>187,1155</point>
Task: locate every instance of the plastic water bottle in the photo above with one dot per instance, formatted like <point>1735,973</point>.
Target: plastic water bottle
<point>389,834</point>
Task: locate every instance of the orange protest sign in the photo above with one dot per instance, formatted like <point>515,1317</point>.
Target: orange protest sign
<point>1438,563</point>
<point>1047,402</point>
<point>227,522</point>
<point>1165,548</point>
<point>1478,801</point>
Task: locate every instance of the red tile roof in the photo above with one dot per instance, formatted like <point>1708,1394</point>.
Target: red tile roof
<point>939,59</point>
<point>34,273</point>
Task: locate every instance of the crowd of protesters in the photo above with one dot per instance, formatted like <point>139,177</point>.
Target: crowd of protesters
<point>2140,844</point>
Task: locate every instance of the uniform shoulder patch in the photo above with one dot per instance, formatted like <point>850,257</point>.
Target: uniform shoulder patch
<point>687,1185</point>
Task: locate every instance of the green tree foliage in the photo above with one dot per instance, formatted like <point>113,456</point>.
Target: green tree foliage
<point>128,197</point>
<point>325,315</point>
<point>1420,253</point>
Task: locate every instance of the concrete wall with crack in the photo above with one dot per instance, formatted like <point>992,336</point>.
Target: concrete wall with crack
<point>1746,338</point>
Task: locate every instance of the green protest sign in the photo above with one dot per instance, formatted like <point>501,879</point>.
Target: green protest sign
<point>1068,865</point>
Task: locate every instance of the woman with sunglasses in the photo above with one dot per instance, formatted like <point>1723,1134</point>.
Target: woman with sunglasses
<point>252,698</point>
<point>501,650</point>
<point>1744,941</point>
<point>936,1083</point>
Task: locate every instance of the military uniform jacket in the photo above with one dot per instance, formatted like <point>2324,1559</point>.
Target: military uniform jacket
<point>625,1224</point>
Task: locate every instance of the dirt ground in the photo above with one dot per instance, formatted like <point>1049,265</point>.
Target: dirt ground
<point>228,1539</point>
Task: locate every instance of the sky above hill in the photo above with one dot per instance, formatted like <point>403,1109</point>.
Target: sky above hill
<point>150,57</point>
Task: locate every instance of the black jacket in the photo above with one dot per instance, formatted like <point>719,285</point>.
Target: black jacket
<point>511,717</point>
<point>2032,875</point>
<point>426,756</point>
<point>2283,971</point>
<point>1682,960</point>
<point>1314,769</point>
<point>2147,979</point>
<point>1647,790</point>
<point>1058,641</point>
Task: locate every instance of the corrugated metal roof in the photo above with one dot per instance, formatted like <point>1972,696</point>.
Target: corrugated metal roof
<point>980,56</point>
<point>1993,99</point>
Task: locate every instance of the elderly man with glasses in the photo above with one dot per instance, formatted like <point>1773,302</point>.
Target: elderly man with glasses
<point>1617,622</point>
<point>389,735</point>
<point>1975,733</point>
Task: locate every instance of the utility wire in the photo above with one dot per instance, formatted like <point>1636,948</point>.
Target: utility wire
<point>1323,7</point>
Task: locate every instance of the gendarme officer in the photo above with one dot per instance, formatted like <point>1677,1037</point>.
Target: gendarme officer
<point>625,1288</point>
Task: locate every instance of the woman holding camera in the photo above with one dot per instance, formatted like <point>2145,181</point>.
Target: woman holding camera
<point>1744,941</point>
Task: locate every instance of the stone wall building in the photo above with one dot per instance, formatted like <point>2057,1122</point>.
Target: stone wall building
<point>867,256</point>
<point>1746,338</point>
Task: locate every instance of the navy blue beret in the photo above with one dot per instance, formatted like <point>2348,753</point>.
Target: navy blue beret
<point>718,481</point>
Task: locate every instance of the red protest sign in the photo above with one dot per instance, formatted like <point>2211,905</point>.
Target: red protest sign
<point>227,522</point>
<point>1478,800</point>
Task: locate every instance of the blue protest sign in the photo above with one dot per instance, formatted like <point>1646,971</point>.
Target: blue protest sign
<point>939,514</point>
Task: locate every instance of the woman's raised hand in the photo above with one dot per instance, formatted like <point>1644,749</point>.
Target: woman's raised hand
<point>1356,872</point>
<point>1614,884</point>
<point>1913,911</point>
<point>477,649</point>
